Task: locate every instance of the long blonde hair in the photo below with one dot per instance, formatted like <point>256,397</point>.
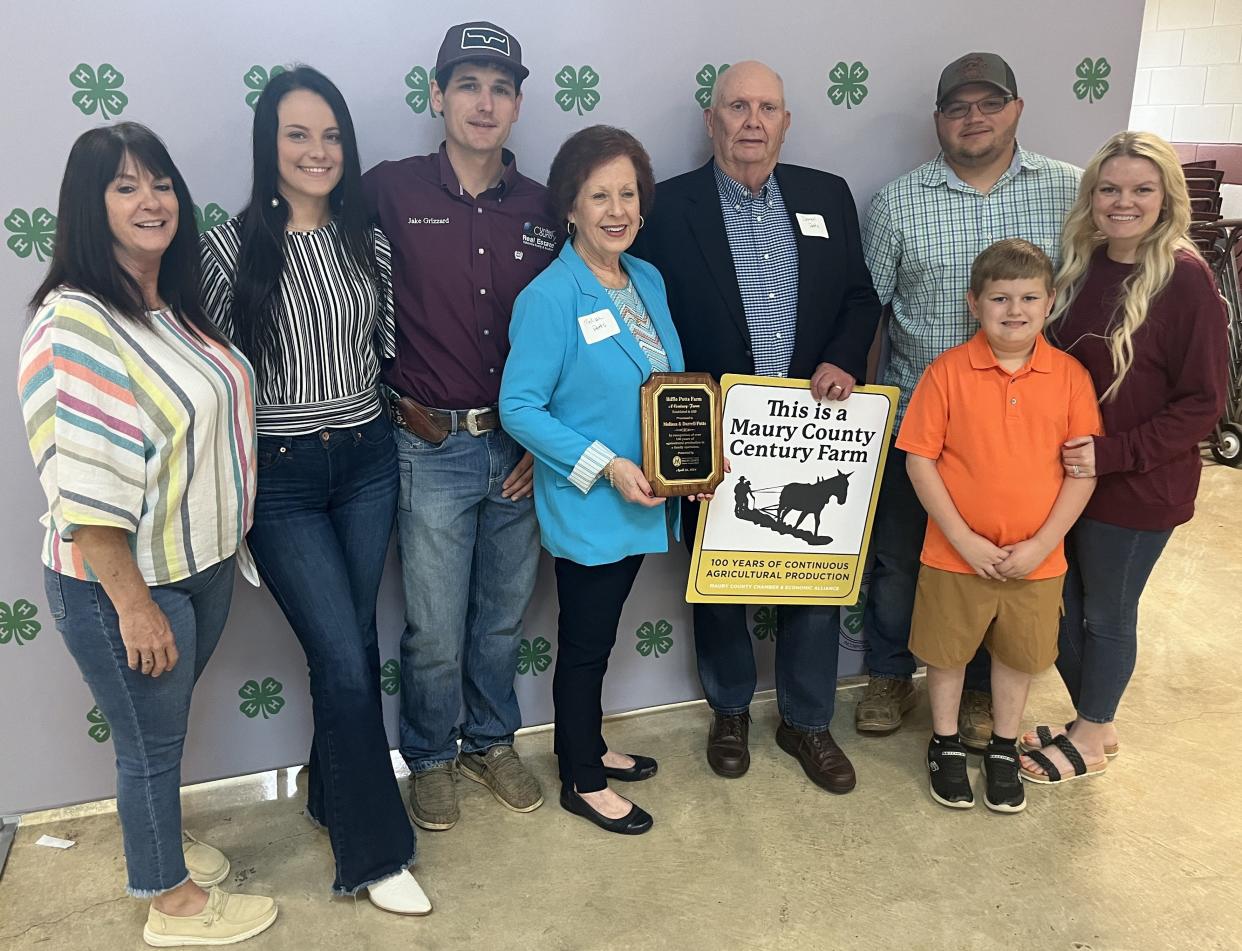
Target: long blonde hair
<point>1156,252</point>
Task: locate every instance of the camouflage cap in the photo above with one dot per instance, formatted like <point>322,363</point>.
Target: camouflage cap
<point>976,68</point>
<point>481,42</point>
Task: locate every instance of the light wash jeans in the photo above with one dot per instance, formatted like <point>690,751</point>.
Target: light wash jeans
<point>468,564</point>
<point>147,715</point>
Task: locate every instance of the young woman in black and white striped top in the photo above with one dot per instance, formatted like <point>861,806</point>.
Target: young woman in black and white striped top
<point>302,284</point>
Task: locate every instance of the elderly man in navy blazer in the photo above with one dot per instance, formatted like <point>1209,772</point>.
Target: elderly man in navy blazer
<point>764,270</point>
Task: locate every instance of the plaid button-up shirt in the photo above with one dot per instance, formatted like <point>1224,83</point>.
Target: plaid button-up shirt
<point>922,233</point>
<point>765,258</point>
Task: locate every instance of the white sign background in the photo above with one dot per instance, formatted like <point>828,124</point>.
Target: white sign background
<point>843,523</point>
<point>636,66</point>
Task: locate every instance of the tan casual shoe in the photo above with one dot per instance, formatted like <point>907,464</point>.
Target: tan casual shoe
<point>206,864</point>
<point>500,769</point>
<point>881,708</point>
<point>433,798</point>
<point>226,919</point>
<point>974,720</point>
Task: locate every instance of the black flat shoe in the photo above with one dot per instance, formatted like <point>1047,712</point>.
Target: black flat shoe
<point>644,768</point>
<point>635,822</point>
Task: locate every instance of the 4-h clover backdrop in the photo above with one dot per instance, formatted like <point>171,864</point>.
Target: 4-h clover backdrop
<point>859,80</point>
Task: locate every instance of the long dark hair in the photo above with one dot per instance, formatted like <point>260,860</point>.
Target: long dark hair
<point>256,286</point>
<point>84,258</point>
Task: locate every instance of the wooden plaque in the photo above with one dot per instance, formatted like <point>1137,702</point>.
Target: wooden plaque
<point>683,445</point>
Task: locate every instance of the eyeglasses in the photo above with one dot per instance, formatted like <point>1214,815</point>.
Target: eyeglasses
<point>988,107</point>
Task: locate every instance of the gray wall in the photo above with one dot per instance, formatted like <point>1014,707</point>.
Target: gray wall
<point>183,69</point>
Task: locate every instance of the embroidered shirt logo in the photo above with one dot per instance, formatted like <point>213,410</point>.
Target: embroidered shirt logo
<point>537,236</point>
<point>426,221</point>
<point>483,38</point>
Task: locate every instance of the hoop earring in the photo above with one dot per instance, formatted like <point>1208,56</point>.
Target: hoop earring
<point>641,221</point>
<point>569,228</point>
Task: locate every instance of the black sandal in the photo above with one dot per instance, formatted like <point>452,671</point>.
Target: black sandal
<point>1051,776</point>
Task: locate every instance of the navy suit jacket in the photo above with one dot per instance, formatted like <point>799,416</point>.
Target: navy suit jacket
<point>838,310</point>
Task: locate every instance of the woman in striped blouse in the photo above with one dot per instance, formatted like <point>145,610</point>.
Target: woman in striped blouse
<point>302,284</point>
<point>140,420</point>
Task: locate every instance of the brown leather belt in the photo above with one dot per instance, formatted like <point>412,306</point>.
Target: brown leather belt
<point>436,425</point>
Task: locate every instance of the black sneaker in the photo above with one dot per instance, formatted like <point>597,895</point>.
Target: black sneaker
<point>1003,790</point>
<point>950,786</point>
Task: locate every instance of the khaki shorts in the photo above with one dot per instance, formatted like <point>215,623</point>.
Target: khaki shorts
<point>1017,620</point>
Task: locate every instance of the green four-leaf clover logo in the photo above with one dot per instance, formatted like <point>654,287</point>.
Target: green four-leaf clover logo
<point>848,84</point>
<point>534,657</point>
<point>100,731</point>
<point>1092,83</point>
<point>765,624</point>
<point>390,676</point>
<point>706,78</point>
<point>17,623</point>
<point>256,79</point>
<point>418,98</point>
<point>654,639</point>
<point>209,216</point>
<point>262,698</point>
<point>577,88</point>
<point>853,619</point>
<point>99,90</point>
<point>32,233</point>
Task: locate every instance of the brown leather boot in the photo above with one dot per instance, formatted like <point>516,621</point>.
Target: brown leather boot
<point>824,763</point>
<point>727,752</point>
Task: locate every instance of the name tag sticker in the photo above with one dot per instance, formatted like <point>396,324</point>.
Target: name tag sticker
<point>598,326</point>
<point>812,225</point>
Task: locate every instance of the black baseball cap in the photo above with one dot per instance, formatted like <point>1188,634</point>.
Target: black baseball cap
<point>976,68</point>
<point>481,42</point>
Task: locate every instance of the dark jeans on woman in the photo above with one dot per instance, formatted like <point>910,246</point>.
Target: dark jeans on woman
<point>147,715</point>
<point>324,514</point>
<point>1108,569</point>
<point>590,598</point>
<point>896,542</point>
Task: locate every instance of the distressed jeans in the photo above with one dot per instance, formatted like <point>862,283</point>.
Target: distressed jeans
<point>147,715</point>
<point>468,564</point>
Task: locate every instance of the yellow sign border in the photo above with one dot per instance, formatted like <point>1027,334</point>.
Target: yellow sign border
<point>695,596</point>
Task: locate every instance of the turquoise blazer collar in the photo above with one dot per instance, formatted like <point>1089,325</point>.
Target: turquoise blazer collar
<point>649,289</point>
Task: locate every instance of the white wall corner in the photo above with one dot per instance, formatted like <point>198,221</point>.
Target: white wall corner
<point>1157,119</point>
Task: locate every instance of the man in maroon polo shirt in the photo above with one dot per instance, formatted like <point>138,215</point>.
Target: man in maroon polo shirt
<point>468,232</point>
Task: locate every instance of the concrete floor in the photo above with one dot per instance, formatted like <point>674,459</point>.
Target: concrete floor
<point>1148,856</point>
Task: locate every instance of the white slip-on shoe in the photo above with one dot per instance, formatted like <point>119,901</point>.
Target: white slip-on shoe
<point>206,864</point>
<point>401,894</point>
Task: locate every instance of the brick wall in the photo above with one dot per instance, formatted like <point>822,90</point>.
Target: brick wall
<point>1188,87</point>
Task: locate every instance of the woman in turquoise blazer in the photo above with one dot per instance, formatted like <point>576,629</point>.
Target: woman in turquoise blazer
<point>585,334</point>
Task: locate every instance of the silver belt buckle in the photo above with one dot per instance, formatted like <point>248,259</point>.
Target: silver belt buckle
<point>472,420</point>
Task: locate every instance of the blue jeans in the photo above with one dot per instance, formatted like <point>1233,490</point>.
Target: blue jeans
<point>896,542</point>
<point>1108,569</point>
<point>147,715</point>
<point>323,519</point>
<point>468,564</point>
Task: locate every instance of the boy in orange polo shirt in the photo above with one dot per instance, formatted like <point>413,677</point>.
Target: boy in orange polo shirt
<point>983,435</point>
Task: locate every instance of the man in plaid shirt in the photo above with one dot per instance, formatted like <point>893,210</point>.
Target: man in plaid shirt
<point>920,236</point>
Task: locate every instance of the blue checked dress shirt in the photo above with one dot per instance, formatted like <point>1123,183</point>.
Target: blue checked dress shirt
<point>765,258</point>
<point>921,235</point>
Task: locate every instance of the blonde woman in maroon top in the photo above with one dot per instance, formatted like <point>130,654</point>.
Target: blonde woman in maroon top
<point>1137,305</point>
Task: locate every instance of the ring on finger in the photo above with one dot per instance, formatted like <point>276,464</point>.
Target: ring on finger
<point>1075,470</point>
